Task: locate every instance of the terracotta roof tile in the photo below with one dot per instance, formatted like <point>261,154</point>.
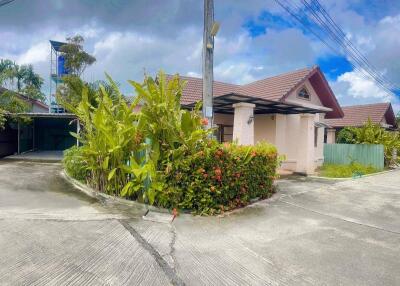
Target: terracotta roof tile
<point>357,115</point>
<point>276,87</point>
<point>272,88</point>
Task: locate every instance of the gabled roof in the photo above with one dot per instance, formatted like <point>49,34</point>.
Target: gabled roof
<point>25,98</point>
<point>357,115</point>
<point>273,89</point>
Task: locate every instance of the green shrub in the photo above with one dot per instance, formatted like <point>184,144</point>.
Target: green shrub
<point>162,155</point>
<point>372,133</point>
<point>345,171</point>
<point>220,177</point>
<point>75,164</point>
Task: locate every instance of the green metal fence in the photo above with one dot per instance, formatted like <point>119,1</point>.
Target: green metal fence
<point>344,154</point>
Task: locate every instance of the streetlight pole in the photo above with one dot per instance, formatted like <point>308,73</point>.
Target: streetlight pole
<point>210,30</point>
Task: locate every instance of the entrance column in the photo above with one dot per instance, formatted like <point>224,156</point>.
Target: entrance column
<point>306,150</point>
<point>243,123</point>
<point>330,136</point>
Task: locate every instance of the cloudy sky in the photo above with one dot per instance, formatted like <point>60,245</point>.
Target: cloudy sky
<point>257,39</point>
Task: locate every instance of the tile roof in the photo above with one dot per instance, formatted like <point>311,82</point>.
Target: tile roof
<point>276,87</point>
<point>357,115</point>
<point>25,98</point>
<point>272,88</point>
<point>194,89</point>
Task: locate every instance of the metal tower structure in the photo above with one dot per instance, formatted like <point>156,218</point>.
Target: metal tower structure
<point>57,71</point>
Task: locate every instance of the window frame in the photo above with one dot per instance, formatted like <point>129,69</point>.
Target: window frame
<point>304,98</point>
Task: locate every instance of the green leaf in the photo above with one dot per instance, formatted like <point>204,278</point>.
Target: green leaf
<point>111,174</point>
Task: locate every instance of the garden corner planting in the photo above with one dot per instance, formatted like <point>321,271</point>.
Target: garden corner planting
<point>153,151</point>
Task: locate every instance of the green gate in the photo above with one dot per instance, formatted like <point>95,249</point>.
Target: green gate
<point>344,154</point>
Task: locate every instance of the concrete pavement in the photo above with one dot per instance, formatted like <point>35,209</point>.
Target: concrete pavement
<point>312,232</point>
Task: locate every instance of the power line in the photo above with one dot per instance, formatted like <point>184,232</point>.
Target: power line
<point>343,40</point>
<point>365,71</point>
<point>318,16</point>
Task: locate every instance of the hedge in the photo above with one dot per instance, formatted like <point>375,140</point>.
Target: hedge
<point>220,177</point>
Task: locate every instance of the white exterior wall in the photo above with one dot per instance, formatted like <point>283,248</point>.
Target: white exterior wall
<point>39,109</point>
<point>264,127</point>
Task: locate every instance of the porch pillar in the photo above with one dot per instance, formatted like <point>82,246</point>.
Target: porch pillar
<point>305,163</point>
<point>280,132</point>
<point>330,136</point>
<point>243,123</point>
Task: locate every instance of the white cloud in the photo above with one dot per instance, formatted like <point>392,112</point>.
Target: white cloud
<point>35,54</point>
<point>358,86</point>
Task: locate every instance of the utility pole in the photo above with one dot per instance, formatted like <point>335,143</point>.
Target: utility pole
<point>210,30</point>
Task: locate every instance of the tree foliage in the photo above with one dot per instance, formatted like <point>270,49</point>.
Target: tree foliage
<point>70,92</point>
<point>141,154</point>
<point>22,79</point>
<point>9,105</point>
<point>372,133</point>
<point>76,59</point>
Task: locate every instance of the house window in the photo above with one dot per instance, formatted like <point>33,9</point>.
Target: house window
<point>315,136</point>
<point>303,93</point>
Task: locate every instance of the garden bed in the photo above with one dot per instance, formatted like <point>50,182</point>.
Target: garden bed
<point>163,155</point>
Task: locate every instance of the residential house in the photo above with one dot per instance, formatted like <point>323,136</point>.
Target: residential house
<point>33,104</point>
<point>358,115</point>
<point>287,110</point>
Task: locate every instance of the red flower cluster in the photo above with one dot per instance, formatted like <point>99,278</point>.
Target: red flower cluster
<point>218,174</point>
<point>204,121</point>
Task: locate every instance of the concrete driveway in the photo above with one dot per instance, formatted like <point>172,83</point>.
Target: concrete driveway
<point>310,233</point>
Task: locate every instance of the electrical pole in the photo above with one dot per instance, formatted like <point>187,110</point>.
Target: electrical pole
<point>210,30</point>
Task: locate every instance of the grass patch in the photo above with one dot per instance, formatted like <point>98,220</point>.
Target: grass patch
<point>345,171</point>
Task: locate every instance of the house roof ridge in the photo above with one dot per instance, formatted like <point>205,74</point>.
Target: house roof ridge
<point>367,104</point>
<point>201,79</point>
<point>310,69</point>
<point>281,75</point>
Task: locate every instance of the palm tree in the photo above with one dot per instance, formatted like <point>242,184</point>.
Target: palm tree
<point>6,67</point>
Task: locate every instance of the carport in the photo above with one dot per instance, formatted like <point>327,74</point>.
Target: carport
<point>46,132</point>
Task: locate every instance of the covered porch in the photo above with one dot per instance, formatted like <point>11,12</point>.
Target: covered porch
<point>295,129</point>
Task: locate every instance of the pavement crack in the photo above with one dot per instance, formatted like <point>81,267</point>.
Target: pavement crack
<point>172,245</point>
<point>168,270</point>
<point>340,218</point>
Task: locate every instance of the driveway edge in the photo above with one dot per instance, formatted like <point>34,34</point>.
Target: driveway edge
<point>104,197</point>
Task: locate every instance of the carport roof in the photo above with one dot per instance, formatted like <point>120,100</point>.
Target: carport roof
<point>48,115</point>
<point>223,104</point>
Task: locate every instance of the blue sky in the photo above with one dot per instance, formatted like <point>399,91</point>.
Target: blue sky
<point>257,39</point>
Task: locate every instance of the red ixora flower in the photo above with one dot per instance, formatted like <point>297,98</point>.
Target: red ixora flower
<point>204,121</point>
<point>218,172</point>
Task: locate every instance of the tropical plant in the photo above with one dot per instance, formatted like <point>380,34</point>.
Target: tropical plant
<point>170,129</point>
<point>70,92</point>
<point>21,79</point>
<point>372,133</point>
<point>75,164</point>
<point>6,69</point>
<point>155,155</point>
<point>9,105</point>
<point>76,59</point>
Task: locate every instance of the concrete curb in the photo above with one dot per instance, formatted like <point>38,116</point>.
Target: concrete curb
<point>104,197</point>
<point>348,179</point>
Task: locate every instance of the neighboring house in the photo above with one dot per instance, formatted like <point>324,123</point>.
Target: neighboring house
<point>287,110</point>
<point>33,104</point>
<point>358,115</point>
